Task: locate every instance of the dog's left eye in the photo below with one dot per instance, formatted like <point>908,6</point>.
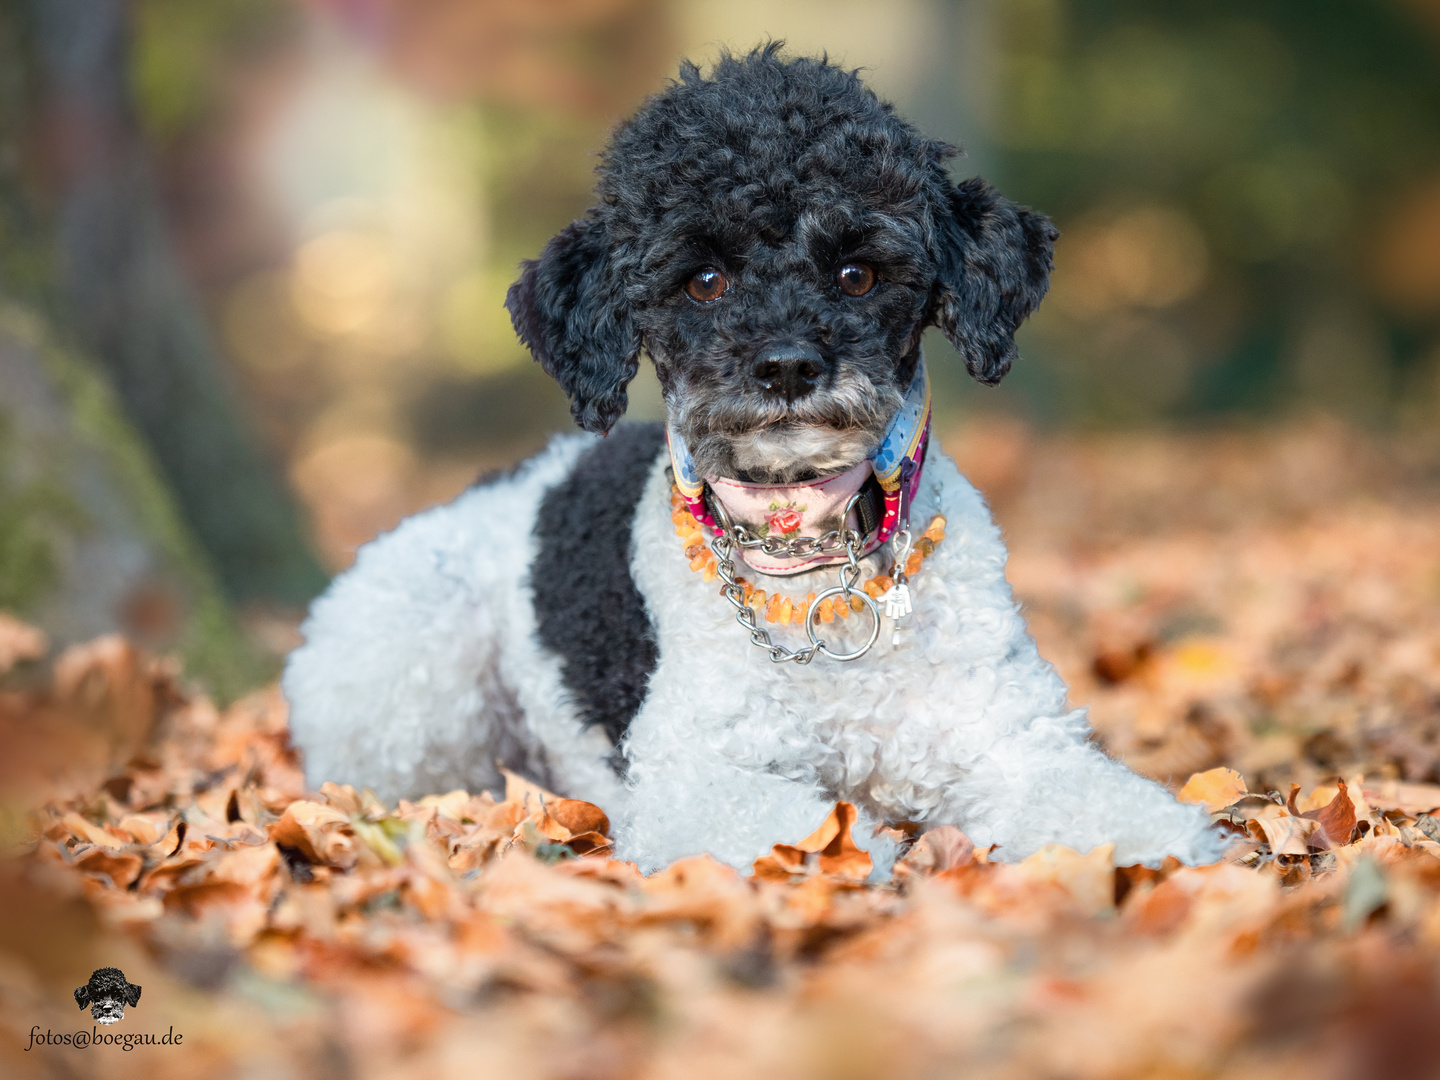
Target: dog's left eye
<point>709,284</point>
<point>856,279</point>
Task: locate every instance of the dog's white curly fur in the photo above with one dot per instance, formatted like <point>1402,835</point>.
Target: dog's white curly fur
<point>421,668</point>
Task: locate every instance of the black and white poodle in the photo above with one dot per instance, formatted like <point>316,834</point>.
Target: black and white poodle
<point>705,626</point>
<point>106,994</point>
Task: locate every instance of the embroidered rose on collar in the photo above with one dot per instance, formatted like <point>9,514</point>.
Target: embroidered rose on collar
<point>783,519</point>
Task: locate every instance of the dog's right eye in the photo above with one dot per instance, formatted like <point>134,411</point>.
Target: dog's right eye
<point>709,284</point>
<point>856,279</point>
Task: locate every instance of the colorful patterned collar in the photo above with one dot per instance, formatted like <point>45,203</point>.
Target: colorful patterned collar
<point>811,509</point>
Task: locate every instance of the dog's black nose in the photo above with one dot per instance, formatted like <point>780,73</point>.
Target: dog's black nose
<point>788,371</point>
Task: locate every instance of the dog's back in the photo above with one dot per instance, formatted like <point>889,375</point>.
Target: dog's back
<point>429,661</point>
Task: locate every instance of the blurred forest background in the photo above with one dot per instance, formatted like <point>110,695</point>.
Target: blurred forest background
<point>253,252</point>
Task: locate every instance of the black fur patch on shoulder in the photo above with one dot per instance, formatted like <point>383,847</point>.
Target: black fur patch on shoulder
<point>587,608</point>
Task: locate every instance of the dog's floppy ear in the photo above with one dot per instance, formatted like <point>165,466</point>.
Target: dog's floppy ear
<point>995,263</point>
<point>569,308</point>
<point>82,995</point>
<point>132,994</point>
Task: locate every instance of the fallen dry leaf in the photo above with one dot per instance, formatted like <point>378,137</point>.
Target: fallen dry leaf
<point>19,642</point>
<point>1088,879</point>
<point>938,850</point>
<point>1285,834</point>
<point>1404,797</point>
<point>321,833</point>
<point>1215,788</point>
<point>578,817</point>
<point>1336,818</point>
<point>526,792</point>
<point>828,850</point>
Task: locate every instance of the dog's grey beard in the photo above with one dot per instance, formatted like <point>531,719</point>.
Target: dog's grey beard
<point>786,444</point>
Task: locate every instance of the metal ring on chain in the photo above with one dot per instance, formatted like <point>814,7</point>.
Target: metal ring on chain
<point>811,621</point>
<point>726,539</point>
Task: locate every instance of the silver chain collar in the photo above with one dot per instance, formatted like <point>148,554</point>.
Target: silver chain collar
<point>729,537</point>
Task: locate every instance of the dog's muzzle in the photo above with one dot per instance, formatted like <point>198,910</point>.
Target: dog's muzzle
<point>107,1011</point>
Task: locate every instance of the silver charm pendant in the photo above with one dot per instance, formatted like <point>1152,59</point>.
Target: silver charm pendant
<point>897,601</point>
<point>897,598</point>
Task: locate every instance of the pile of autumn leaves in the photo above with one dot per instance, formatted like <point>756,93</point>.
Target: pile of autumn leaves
<point>327,933</point>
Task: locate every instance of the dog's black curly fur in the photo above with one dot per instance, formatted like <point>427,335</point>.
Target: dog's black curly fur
<point>587,608</point>
<point>777,172</point>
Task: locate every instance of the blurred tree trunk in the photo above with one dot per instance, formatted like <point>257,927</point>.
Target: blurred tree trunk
<point>134,311</point>
<point>91,539</point>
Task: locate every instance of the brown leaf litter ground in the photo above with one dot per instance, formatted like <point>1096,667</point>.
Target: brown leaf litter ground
<point>1261,610</point>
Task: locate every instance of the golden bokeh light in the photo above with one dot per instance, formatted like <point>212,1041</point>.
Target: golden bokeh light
<point>1152,257</point>
<point>343,282</point>
<point>357,484</point>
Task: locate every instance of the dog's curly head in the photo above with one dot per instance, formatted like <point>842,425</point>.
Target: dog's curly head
<point>777,239</point>
<point>106,994</point>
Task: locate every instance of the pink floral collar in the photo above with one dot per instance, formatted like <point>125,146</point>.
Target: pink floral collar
<point>785,511</point>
